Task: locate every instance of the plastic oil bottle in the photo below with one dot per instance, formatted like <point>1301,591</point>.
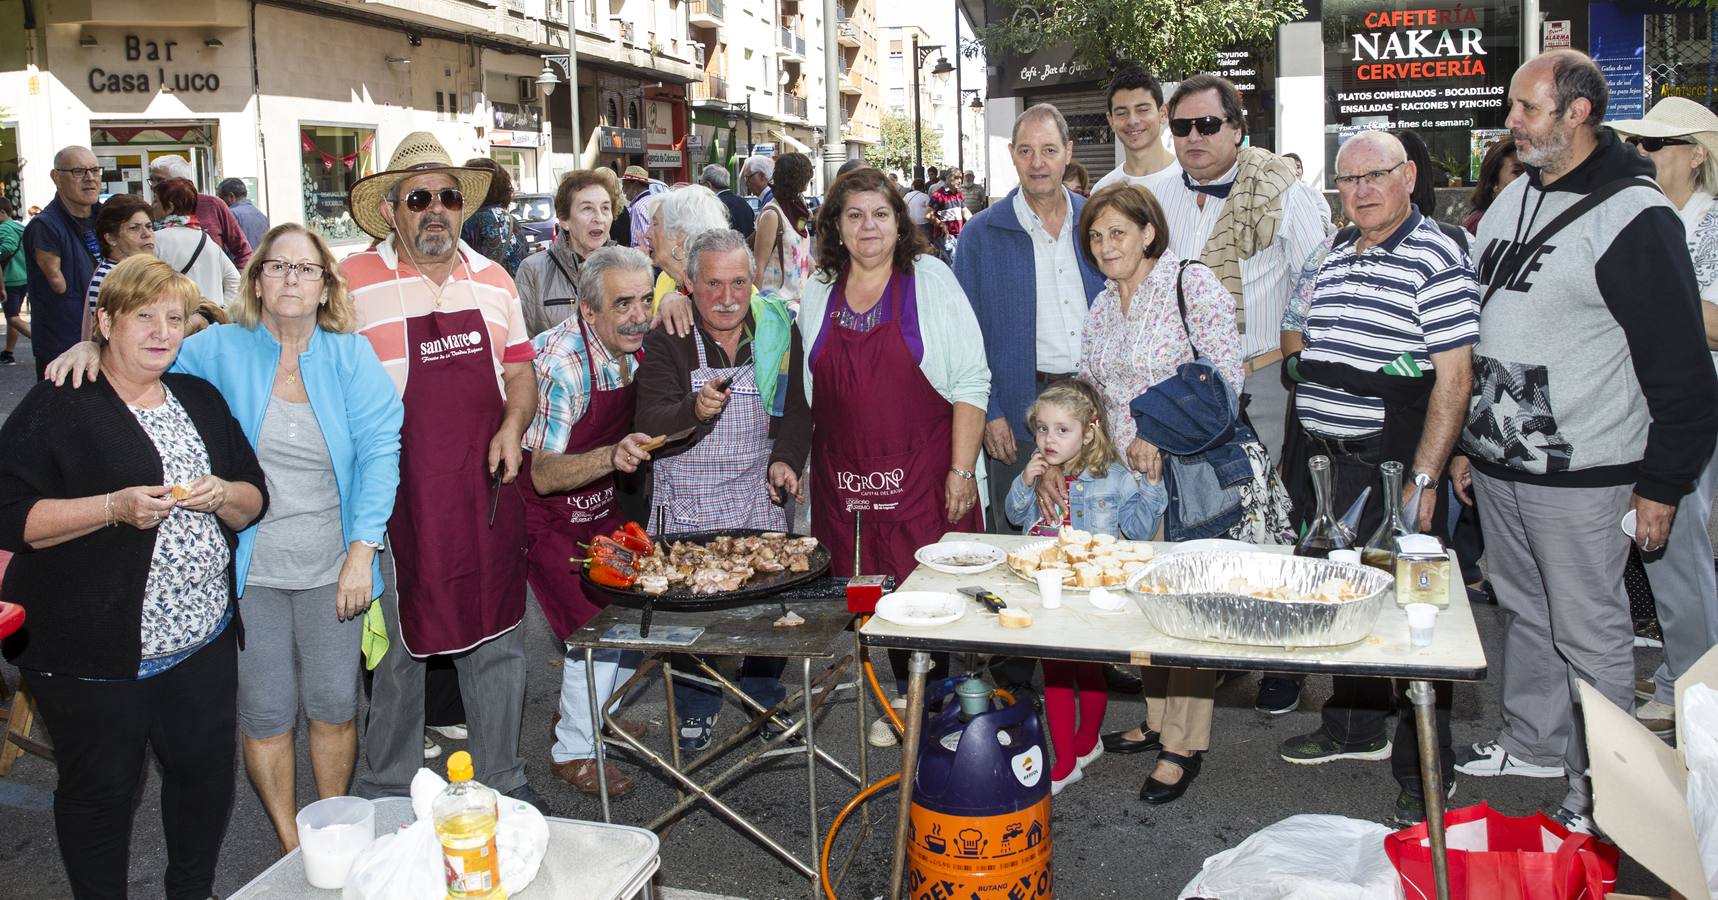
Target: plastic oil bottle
<point>465,819</point>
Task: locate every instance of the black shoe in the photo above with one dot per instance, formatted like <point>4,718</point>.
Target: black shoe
<point>1410,808</point>
<point>1123,679</point>
<point>524,794</point>
<point>1157,793</point>
<point>1481,595</point>
<point>1278,695</point>
<point>1116,742</point>
<point>696,733</point>
<point>7,359</point>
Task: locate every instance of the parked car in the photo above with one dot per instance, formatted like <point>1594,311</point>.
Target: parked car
<point>536,215</point>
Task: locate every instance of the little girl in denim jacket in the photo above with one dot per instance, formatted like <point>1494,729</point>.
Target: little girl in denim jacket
<point>1103,498</point>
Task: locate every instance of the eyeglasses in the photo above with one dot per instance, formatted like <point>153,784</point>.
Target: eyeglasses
<point>277,268</point>
<point>82,172</point>
<point>1370,179</point>
<point>1207,125</point>
<point>1655,144</point>
<point>451,199</point>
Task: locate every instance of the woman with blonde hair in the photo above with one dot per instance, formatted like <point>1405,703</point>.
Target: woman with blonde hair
<point>324,418</point>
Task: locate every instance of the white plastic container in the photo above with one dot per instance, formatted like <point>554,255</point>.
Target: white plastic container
<point>332,833</point>
<point>1422,623</point>
<point>1050,588</point>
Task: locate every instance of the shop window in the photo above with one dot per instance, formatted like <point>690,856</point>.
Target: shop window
<point>632,114</point>
<point>11,186</point>
<point>333,158</point>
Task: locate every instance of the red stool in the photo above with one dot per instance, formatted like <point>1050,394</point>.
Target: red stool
<point>21,716</point>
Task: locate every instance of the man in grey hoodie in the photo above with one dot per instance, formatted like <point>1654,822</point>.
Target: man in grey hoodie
<point>1592,397</point>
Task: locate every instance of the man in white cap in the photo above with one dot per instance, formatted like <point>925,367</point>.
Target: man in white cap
<point>1680,137</point>
<point>447,325</point>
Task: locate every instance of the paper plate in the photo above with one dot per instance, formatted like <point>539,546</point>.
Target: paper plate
<point>960,557</point>
<point>921,609</point>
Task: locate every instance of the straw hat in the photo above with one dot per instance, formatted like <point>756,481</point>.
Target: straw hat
<point>1675,117</point>
<point>420,152</point>
<point>636,173</point>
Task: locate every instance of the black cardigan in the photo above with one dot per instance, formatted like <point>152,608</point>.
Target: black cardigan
<point>83,599</point>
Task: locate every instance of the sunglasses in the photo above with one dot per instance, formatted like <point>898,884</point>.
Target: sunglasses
<point>1207,125</point>
<point>451,199</point>
<point>1655,144</point>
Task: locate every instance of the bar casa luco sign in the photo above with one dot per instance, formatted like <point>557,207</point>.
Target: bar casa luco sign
<point>150,67</point>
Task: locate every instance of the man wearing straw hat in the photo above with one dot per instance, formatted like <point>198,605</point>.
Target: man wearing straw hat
<point>447,325</point>
<point>1680,137</point>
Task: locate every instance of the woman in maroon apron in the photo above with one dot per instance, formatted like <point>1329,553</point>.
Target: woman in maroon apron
<point>888,442</point>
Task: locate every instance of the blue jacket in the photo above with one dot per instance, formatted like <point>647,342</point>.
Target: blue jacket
<point>354,401</point>
<point>1120,503</point>
<point>998,271</point>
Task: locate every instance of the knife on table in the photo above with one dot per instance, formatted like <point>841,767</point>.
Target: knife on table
<point>985,598</point>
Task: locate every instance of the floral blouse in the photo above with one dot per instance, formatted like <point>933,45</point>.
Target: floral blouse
<point>185,596</point>
<point>1123,355</point>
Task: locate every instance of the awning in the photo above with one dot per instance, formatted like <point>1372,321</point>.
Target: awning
<point>788,139</point>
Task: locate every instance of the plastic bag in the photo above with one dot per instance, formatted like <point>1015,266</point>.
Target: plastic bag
<point>1497,857</point>
<point>1699,737</point>
<point>1307,857</point>
<point>408,865</point>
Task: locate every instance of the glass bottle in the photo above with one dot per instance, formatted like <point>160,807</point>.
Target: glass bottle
<point>1379,551</point>
<point>1322,533</point>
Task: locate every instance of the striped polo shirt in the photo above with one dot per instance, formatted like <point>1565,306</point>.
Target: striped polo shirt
<point>1413,294</point>
<point>387,291</point>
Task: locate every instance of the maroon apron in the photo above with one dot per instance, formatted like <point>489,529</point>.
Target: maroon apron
<point>881,444</point>
<point>558,523</point>
<point>461,581</point>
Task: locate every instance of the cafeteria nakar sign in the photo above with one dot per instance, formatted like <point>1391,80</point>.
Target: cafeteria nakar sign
<point>1429,42</point>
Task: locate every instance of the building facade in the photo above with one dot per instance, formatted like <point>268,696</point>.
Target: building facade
<point>935,90</point>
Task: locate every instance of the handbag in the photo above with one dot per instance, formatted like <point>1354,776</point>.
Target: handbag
<point>1205,462</point>
<point>1497,857</point>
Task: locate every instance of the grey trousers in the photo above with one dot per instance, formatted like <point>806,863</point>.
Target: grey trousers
<point>492,681</point>
<point>1684,586</point>
<point>1556,558</point>
<point>1001,477</point>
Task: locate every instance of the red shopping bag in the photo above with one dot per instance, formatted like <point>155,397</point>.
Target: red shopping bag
<point>1497,857</point>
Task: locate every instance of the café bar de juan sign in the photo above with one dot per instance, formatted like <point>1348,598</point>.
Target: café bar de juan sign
<point>1426,66</point>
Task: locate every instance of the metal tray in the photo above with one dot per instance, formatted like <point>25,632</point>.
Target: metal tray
<point>1201,609</point>
<point>761,586</point>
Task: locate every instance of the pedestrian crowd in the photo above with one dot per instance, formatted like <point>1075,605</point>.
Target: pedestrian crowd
<point>366,466</point>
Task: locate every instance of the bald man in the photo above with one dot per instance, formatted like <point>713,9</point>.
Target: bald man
<point>60,254</point>
<point>1384,375</point>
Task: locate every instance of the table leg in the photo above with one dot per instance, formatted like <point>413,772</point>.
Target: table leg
<point>1425,702</point>
<point>918,665</point>
<point>861,684</point>
<point>596,731</point>
<point>811,779</point>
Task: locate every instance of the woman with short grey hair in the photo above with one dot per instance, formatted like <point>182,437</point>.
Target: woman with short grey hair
<point>680,216</point>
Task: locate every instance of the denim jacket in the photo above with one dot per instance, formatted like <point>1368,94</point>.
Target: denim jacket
<point>1119,503</point>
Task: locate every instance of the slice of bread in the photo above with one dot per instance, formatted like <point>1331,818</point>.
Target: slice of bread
<point>1015,618</point>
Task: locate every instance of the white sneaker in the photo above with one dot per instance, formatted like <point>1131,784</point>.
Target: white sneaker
<point>1574,821</point>
<point>1488,759</point>
<point>882,732</point>
<point>1057,786</point>
<point>431,748</point>
<point>451,732</point>
<point>1091,757</point>
<point>1659,718</point>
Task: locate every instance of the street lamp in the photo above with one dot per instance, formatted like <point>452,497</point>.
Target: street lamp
<point>547,81</point>
<point>920,54</point>
<point>734,119</point>
<point>960,122</point>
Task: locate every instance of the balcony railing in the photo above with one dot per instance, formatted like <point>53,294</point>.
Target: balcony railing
<point>793,106</point>
<point>711,88</point>
<point>706,10</point>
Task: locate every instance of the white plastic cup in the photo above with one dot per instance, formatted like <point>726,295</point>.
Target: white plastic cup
<point>331,835</point>
<point>1422,622</point>
<point>1345,556</point>
<point>1050,588</point>
<point>1628,523</point>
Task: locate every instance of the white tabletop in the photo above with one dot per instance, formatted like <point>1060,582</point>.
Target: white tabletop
<point>1080,631</point>
<point>586,861</point>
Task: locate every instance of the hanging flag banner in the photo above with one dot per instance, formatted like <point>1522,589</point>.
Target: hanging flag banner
<point>328,159</point>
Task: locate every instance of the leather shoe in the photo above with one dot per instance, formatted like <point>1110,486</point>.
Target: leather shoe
<point>639,730</point>
<point>1117,742</point>
<point>1157,793</point>
<point>582,774</point>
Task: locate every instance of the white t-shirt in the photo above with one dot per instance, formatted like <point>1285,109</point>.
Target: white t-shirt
<point>918,203</point>
<point>1118,176</point>
<point>1700,218</point>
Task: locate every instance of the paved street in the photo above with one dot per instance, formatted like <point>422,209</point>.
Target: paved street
<point>1108,843</point>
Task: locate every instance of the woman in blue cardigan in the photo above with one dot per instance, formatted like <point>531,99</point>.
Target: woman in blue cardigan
<point>324,418</point>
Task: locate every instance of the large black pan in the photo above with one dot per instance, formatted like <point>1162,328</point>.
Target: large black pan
<point>761,586</point>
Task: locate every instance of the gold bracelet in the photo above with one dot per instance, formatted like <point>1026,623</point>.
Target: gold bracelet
<point>107,510</point>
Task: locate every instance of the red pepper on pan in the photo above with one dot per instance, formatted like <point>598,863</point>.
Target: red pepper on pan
<point>634,538</point>
<point>609,576</point>
<point>607,548</point>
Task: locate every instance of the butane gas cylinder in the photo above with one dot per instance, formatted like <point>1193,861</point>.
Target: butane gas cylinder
<point>980,826</point>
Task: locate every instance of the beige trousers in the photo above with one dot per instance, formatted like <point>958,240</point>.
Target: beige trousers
<point>1178,705</point>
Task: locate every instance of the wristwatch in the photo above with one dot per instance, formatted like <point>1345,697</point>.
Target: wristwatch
<point>964,473</point>
<point>1423,480</point>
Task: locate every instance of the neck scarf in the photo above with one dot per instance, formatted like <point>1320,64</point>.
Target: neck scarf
<point>1220,191</point>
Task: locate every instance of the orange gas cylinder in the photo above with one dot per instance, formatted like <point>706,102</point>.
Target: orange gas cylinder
<point>980,827</point>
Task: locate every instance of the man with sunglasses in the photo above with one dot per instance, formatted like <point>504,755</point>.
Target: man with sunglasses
<point>60,254</point>
<point>1383,375</point>
<point>1593,398</point>
<point>447,325</point>
<point>1238,209</point>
